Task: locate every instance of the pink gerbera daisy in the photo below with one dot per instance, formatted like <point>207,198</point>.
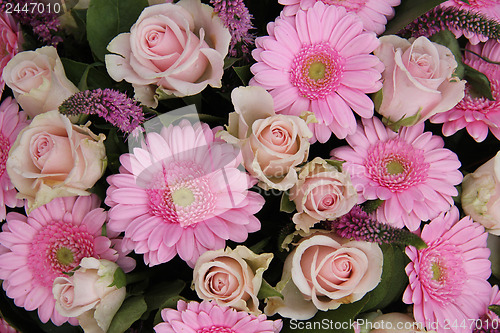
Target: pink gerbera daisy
<point>12,121</point>
<point>482,57</point>
<point>181,193</point>
<point>208,317</point>
<point>476,113</point>
<point>490,321</point>
<point>373,13</point>
<point>448,279</point>
<point>10,42</point>
<point>5,327</point>
<point>319,61</point>
<point>50,241</point>
<point>490,9</point>
<point>410,171</point>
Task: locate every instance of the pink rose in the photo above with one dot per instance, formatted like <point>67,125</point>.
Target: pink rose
<point>418,79</point>
<point>231,278</point>
<point>38,80</point>
<point>10,42</point>
<point>321,193</point>
<point>174,49</point>
<point>53,158</point>
<point>481,195</point>
<point>323,272</point>
<point>271,144</point>
<point>88,294</point>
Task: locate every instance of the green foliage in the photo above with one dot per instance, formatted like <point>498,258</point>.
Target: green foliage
<point>156,296</point>
<point>495,308</point>
<point>479,82</point>
<point>119,279</point>
<point>130,311</point>
<point>286,205</point>
<point>393,280</point>
<point>266,291</point>
<point>447,38</point>
<point>86,76</point>
<point>243,73</point>
<point>408,11</point>
<point>371,205</point>
<point>108,18</point>
<point>336,164</point>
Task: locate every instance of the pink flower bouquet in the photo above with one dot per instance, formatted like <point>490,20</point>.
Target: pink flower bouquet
<point>249,166</point>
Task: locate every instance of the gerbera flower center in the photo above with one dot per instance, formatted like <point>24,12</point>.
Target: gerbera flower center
<point>4,153</point>
<point>351,5</point>
<point>183,197</point>
<point>58,247</point>
<point>442,272</point>
<point>317,70</point>
<point>181,194</point>
<point>471,104</point>
<point>216,329</point>
<point>65,256</point>
<point>396,165</point>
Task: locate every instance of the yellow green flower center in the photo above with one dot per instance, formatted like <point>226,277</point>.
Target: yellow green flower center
<point>395,168</point>
<point>65,256</point>
<point>183,197</point>
<point>317,70</point>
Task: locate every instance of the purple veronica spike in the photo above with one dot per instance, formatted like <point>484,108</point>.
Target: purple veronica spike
<point>236,17</point>
<point>45,24</point>
<point>112,105</point>
<point>358,225</point>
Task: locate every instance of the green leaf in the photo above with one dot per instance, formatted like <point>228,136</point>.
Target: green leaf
<point>336,164</point>
<point>266,291</point>
<point>399,279</point>
<point>86,76</point>
<point>230,61</point>
<point>408,11</point>
<point>479,82</point>
<point>119,279</point>
<point>160,293</point>
<point>259,247</point>
<point>377,99</point>
<point>243,73</point>
<point>286,205</point>
<point>130,311</point>
<point>495,308</point>
<point>393,280</point>
<point>108,18</point>
<point>448,39</point>
<point>335,321</point>
<point>404,121</point>
<point>371,205</point>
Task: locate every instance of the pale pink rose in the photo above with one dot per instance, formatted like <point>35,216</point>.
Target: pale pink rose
<point>418,79</point>
<point>321,193</point>
<point>231,278</point>
<point>38,80</point>
<point>174,49</point>
<point>271,144</point>
<point>323,272</point>
<point>88,294</point>
<point>10,42</point>
<point>481,195</point>
<point>53,158</point>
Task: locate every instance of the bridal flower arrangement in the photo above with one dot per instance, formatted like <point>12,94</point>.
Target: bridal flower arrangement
<point>237,166</point>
